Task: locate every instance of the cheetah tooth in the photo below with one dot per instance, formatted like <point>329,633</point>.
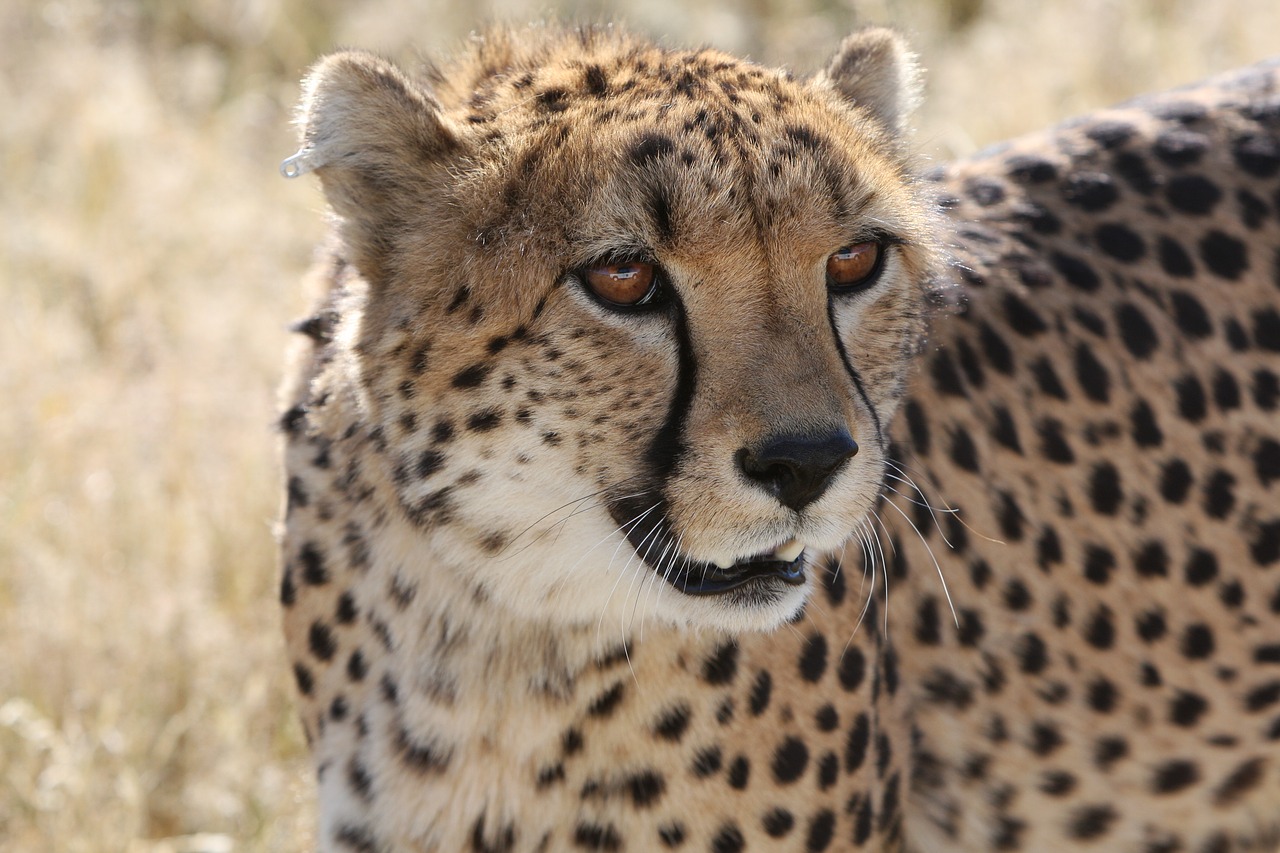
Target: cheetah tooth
<point>789,550</point>
<point>723,562</point>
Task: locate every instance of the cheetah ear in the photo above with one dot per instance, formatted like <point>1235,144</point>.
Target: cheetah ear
<point>376,139</point>
<point>875,70</point>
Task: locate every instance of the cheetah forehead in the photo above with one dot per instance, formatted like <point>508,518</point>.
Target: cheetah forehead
<point>564,147</point>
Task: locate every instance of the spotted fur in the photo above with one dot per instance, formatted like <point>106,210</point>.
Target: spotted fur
<point>501,491</point>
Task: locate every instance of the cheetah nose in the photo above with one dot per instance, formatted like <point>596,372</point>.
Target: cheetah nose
<point>797,469</point>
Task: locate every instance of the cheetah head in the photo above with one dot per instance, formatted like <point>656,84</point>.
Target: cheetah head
<point>630,324</point>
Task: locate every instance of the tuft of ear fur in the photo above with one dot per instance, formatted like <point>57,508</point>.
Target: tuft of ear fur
<point>876,71</point>
<point>368,130</point>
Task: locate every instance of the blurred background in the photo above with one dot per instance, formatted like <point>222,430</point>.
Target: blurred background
<point>149,264</point>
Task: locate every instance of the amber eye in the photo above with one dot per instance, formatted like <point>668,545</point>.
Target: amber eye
<point>854,266</point>
<point>626,285</point>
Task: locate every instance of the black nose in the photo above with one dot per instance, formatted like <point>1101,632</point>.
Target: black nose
<point>797,469</point>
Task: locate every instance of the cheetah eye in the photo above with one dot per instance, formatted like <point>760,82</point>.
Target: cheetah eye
<point>626,285</point>
<point>852,268</point>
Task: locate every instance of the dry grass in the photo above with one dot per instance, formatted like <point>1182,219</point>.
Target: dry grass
<point>149,257</point>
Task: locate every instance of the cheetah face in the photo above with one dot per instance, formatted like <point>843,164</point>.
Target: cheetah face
<point>631,334</point>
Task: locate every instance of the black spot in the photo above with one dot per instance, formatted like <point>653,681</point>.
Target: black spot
<point>739,773</point>
<point>963,452</point>
<point>1237,338</point>
<point>421,756</point>
<point>722,665</point>
<point>1226,391</point>
<point>594,81</point>
<point>1134,170</point>
<point>471,377</point>
<point>1023,319</point>
<point>1187,708</point>
<point>1136,332</point>
<point>1219,494</point>
<point>1053,444</point>
<point>1100,630</point>
<point>1047,378</point>
<point>1173,776</point>
<point>485,420</point>
<point>827,718</point>
<point>1266,329</point>
<point>1102,695</point>
<point>1266,461</point>
<point>358,838</point>
<point>946,379</point>
<point>1030,169</point>
<point>706,762</point>
<point>1108,750</point>
<point>1265,547</point>
<point>671,835</point>
<point>1266,390</point>
<point>1105,493</point>
<point>1239,782</point>
<point>1032,654</point>
<point>607,702</point>
<point>1098,564</point>
<point>1091,375</point>
<point>1263,697</point>
<point>321,641</point>
<point>1174,260</point>
<point>1180,147</point>
<point>985,192</point>
<point>1057,783</point>
<point>1120,242</point>
<point>1224,255</point>
<point>855,748</point>
<point>357,669</point>
<point>646,788</point>
<point>314,571</point>
<point>761,690</point>
<point>778,822</point>
<point>1079,274</point>
<point>853,667</point>
<point>1108,134</point>
<point>1150,625</point>
<point>1175,481</point>
<point>591,836</point>
<point>728,840</point>
<point>1093,821</point>
<point>288,589</point>
<point>1258,154</point>
<point>821,830</point>
<point>552,100</point>
<point>1197,642</point>
<point>1016,595</point>
<point>651,146</point>
<point>995,349</point>
<point>1193,194</point>
<point>304,679</point>
<point>1090,191</point>
<point>927,625</point>
<point>1151,560</point>
<point>790,760</point>
<point>813,660</point>
<point>1045,738</point>
<point>1004,430</point>
<point>672,723</point>
<point>1192,403</point>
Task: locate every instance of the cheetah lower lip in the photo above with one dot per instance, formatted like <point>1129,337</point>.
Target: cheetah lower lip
<point>710,579</point>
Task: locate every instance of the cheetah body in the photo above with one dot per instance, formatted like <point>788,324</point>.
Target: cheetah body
<point>506,497</point>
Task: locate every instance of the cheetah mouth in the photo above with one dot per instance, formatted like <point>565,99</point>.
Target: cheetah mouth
<point>648,528</point>
<point>711,579</point>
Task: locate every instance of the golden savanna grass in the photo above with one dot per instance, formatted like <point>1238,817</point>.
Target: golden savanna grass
<point>149,264</point>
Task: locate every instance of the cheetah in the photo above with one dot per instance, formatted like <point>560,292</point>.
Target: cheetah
<point>673,463</point>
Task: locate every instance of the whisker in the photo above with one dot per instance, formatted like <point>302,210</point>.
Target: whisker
<point>936,565</point>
